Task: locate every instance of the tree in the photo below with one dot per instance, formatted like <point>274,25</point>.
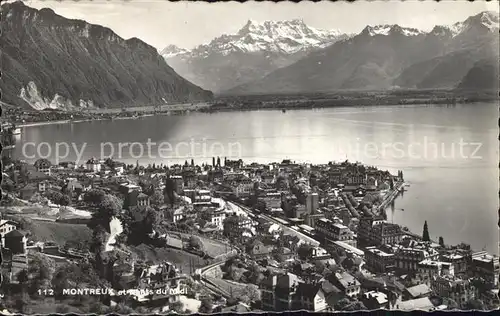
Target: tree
<point>8,185</point>
<point>195,243</point>
<point>55,197</point>
<point>206,306</point>
<point>177,306</point>
<point>98,240</point>
<point>21,303</point>
<point>452,305</point>
<point>342,303</point>
<point>218,161</point>
<point>157,199</point>
<point>441,241</point>
<point>109,207</point>
<point>94,196</point>
<point>425,234</point>
<point>63,309</point>
<point>254,275</point>
<point>65,200</point>
<point>475,305</point>
<point>252,292</point>
<point>304,251</point>
<point>356,306</point>
<point>235,273</point>
<point>38,198</point>
<point>288,241</point>
<point>22,276</point>
<point>41,269</point>
<point>319,266</point>
<point>169,190</point>
<point>192,162</point>
<point>151,220</point>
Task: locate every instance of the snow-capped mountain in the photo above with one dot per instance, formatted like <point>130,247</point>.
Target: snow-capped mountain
<point>287,37</point>
<point>172,51</point>
<point>391,29</point>
<point>389,56</point>
<point>255,50</point>
<point>282,36</point>
<point>487,19</point>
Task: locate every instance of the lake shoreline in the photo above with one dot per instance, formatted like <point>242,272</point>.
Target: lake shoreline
<point>272,107</point>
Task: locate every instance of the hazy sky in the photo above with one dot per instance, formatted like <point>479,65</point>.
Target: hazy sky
<point>161,23</point>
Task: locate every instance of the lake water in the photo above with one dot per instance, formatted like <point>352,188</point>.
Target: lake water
<point>449,154</point>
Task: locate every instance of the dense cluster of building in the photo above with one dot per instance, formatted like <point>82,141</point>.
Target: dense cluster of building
<point>354,258</point>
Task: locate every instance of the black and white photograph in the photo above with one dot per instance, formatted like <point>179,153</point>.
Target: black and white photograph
<point>208,158</point>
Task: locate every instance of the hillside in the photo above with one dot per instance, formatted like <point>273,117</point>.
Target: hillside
<point>49,61</point>
<point>484,75</point>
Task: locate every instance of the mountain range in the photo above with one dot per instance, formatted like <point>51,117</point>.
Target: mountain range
<point>391,56</point>
<point>49,61</point>
<point>254,51</point>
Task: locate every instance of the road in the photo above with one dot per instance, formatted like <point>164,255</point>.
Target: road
<point>285,229</point>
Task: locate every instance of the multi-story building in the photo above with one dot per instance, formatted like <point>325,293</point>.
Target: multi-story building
<point>93,165</point>
<point>330,231</point>
<point>486,266</point>
<point>16,241</point>
<point>178,183</point>
<point>454,288</point>
<point>288,293</point>
<point>283,288</point>
<point>427,270</point>
<point>235,225</point>
<point>407,258</point>
<point>243,188</point>
<point>189,178</point>
<point>347,283</point>
<point>312,202</point>
<point>136,198</point>
<point>257,250</point>
<point>177,215</point>
<point>311,297</point>
<point>459,262</point>
<point>311,219</point>
<point>375,300</point>
<point>433,268</point>
<point>143,200</point>
<point>199,197</point>
<point>213,215</point>
<point>272,200</point>
<point>43,166</point>
<point>384,233</point>
<point>268,297</point>
<point>365,237</point>
<point>216,175</point>
<point>378,261</point>
<point>267,178</point>
<point>126,188</point>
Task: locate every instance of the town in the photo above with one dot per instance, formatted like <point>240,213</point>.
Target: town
<point>225,236</point>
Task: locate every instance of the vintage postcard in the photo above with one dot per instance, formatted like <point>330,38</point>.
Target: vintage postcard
<point>256,157</point>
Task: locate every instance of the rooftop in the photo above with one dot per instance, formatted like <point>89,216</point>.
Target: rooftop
<point>378,252</point>
<point>379,296</point>
<point>423,304</point>
<point>418,290</point>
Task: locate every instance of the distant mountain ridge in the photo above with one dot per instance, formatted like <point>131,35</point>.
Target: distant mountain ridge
<point>254,51</point>
<point>389,56</point>
<point>49,61</point>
